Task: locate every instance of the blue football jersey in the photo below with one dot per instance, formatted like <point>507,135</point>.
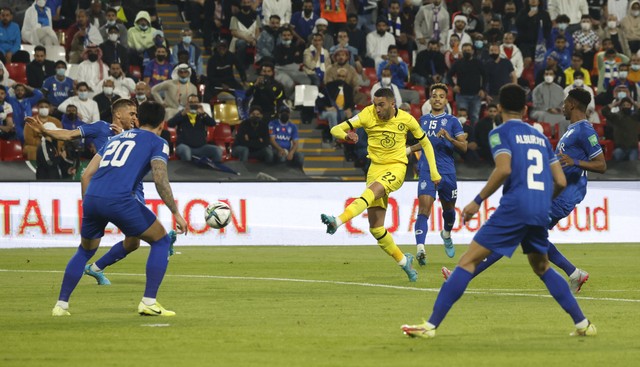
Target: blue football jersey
<point>528,191</point>
<point>126,159</point>
<point>442,148</point>
<point>100,131</point>
<point>580,142</point>
<point>284,133</point>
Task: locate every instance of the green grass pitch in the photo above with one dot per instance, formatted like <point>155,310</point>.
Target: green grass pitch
<point>313,306</point>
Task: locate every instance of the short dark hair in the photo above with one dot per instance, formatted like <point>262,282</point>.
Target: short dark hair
<point>563,18</point>
<point>392,47</point>
<point>113,28</point>
<point>255,107</point>
<point>44,100</point>
<point>151,113</point>
<point>121,103</point>
<point>513,98</point>
<point>276,16</point>
<point>581,97</point>
<point>82,84</point>
<point>7,9</point>
<point>492,105</point>
<point>439,86</point>
<point>578,73</point>
<point>111,10</point>
<point>385,92</point>
<point>40,48</point>
<point>61,63</point>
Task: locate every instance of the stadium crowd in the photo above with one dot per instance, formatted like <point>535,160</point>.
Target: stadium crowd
<point>68,60</point>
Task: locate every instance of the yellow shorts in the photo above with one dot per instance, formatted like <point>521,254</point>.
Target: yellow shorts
<point>390,176</point>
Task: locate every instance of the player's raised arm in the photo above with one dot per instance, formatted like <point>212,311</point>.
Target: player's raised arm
<point>60,134</point>
<point>419,134</point>
<point>340,131</point>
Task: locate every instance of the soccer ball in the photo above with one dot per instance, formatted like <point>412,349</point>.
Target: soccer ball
<point>217,215</point>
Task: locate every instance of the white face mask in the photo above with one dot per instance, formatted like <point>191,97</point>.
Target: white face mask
<point>612,24</point>
<point>113,37</point>
<point>43,111</point>
<point>635,13</point>
<point>386,81</point>
<point>578,83</point>
<point>108,90</point>
<point>111,22</point>
<point>462,120</point>
<point>585,26</point>
<point>548,79</point>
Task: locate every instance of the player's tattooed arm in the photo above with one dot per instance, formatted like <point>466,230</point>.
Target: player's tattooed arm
<point>161,179</point>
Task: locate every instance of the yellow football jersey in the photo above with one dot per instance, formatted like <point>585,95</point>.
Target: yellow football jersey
<point>387,139</point>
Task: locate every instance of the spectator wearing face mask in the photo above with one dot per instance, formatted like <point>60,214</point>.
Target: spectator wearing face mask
<point>615,90</point>
<point>31,138</point>
<point>114,49</point>
<point>474,24</point>
<point>611,30</point>
<point>195,55</point>
<point>92,70</point>
<point>70,119</point>
<point>634,69</point>
<point>430,66</point>
<point>470,78</point>
<point>576,65</point>
<point>87,108</point>
<point>113,21</point>
<point>80,35</point>
<point>266,42</point>
<point>624,116</point>
<point>586,40</point>
<point>106,99</point>
<point>548,100</point>
<point>141,35</point>
<point>252,140</point>
<point>142,93</point>
<point>574,9</point>
<point>58,88</point>
<point>284,140</point>
<point>158,69</point>
<point>630,26</point>
<point>176,91</point>
<point>560,29</point>
<point>37,26</point>
<point>578,83</point>
<point>459,29</point>
<point>386,82</point>
<point>499,72</point>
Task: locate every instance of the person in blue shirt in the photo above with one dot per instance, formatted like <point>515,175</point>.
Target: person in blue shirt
<point>108,185</point>
<point>195,55</point>
<point>446,134</point>
<point>303,22</point>
<point>57,88</point>
<point>23,106</point>
<point>531,175</point>
<point>284,140</point>
<point>124,118</point>
<point>10,36</point>
<point>579,151</point>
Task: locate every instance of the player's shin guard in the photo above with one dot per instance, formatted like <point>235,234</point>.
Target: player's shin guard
<point>116,253</point>
<point>490,260</point>
<point>450,292</point>
<point>421,228</point>
<point>560,291</point>
<point>385,241</point>
<point>357,206</point>
<point>557,258</point>
<point>74,271</point>
<point>449,217</point>
<point>157,265</point>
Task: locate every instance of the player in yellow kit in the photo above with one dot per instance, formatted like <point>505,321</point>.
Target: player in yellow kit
<point>386,127</point>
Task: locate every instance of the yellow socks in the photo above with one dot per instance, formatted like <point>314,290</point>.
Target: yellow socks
<point>385,241</point>
<point>357,206</point>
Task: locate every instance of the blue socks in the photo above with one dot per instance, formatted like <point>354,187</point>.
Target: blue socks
<point>559,260</point>
<point>157,265</point>
<point>421,228</point>
<point>450,292</point>
<point>74,271</point>
<point>560,291</point>
<point>449,217</point>
<point>116,253</point>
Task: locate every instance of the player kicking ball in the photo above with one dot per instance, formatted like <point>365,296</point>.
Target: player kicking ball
<point>532,175</point>
<point>386,127</point>
<point>124,112</point>
<point>445,134</point>
<point>107,197</point>
<point>579,151</point>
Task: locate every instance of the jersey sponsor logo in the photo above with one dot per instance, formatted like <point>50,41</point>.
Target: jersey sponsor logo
<point>444,122</point>
<point>389,139</point>
<point>423,185</point>
<point>494,140</point>
<point>593,139</point>
<point>401,127</point>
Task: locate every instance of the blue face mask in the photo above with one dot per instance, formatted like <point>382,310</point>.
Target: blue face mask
<point>184,80</point>
<point>622,95</point>
<point>478,44</point>
<point>143,27</point>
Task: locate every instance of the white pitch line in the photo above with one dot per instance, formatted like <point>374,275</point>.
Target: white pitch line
<point>492,291</point>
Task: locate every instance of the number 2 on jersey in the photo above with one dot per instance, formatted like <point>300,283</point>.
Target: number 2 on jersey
<point>535,168</point>
<point>117,153</point>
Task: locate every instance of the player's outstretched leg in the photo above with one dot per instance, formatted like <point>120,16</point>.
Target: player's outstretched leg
<point>577,277</point>
<point>450,292</point>
<point>116,253</point>
<point>559,289</point>
<point>486,263</point>
<point>72,275</point>
<point>421,228</point>
<point>388,245</point>
<point>449,216</point>
<point>156,268</point>
<point>352,210</point>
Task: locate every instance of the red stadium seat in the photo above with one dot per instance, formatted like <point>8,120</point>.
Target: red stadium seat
<point>134,71</point>
<point>11,150</point>
<point>450,96</point>
<point>420,90</point>
<point>406,56</point>
<point>222,134</point>
<point>17,71</point>
<point>210,132</point>
<point>371,74</point>
<point>416,111</point>
<point>606,144</point>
